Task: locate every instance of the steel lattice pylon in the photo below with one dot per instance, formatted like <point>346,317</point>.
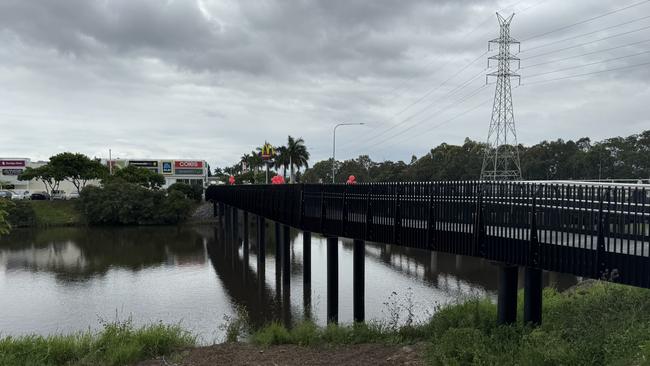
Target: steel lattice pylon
<point>501,159</point>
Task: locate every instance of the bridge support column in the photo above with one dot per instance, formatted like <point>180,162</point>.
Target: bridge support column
<point>507,298</point>
<point>358,280</point>
<point>245,243</point>
<point>215,209</point>
<point>278,261</point>
<point>332,279</point>
<point>286,275</point>
<point>533,296</point>
<point>235,228</point>
<point>306,276</point>
<point>261,251</point>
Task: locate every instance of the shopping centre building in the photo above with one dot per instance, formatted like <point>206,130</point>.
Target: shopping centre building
<point>174,170</point>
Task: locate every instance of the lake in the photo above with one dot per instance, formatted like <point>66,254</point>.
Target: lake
<point>63,280</point>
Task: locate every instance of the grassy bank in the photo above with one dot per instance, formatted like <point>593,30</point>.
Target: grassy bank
<point>44,214</point>
<point>117,344</point>
<point>599,324</point>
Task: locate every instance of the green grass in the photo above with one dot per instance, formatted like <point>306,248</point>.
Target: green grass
<point>56,213</point>
<point>119,343</point>
<point>599,324</point>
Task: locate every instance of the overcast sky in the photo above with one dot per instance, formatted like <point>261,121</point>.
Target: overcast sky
<point>213,79</point>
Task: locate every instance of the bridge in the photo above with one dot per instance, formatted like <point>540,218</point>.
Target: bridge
<point>593,230</point>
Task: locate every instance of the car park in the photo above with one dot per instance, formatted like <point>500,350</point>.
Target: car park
<point>40,196</point>
<point>19,196</point>
<point>58,194</point>
<point>72,195</point>
<point>6,194</point>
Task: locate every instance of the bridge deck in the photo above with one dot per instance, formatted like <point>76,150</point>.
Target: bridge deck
<point>588,230</point>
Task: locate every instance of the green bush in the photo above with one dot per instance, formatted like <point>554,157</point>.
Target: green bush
<point>22,214</point>
<point>194,192</point>
<point>123,203</point>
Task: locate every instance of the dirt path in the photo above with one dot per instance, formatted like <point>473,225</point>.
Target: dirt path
<point>247,354</point>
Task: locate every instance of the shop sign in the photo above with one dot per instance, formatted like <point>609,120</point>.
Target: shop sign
<point>11,171</point>
<point>12,162</point>
<point>167,167</point>
<point>186,171</point>
<point>188,164</point>
<point>144,163</point>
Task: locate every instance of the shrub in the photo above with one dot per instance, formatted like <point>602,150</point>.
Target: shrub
<point>119,202</point>
<point>194,192</point>
<point>21,214</point>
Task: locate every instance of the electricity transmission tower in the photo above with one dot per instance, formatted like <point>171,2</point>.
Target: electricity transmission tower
<point>501,159</point>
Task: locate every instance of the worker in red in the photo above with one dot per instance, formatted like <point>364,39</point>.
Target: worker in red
<point>351,180</point>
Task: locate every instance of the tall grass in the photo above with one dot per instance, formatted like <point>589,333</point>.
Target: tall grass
<point>598,324</point>
<point>118,343</point>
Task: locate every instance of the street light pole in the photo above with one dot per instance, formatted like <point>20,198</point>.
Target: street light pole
<point>334,146</point>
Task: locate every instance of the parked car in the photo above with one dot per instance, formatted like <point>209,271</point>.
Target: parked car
<point>6,194</point>
<point>73,195</point>
<point>58,194</point>
<point>40,196</point>
<point>19,196</point>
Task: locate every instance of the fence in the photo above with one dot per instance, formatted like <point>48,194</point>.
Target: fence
<point>597,231</point>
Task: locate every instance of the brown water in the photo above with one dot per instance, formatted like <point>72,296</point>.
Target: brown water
<point>66,279</point>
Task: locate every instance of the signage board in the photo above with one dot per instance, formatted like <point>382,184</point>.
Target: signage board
<point>167,167</point>
<point>144,163</point>
<point>12,163</point>
<point>188,171</point>
<point>11,171</point>
<point>188,164</point>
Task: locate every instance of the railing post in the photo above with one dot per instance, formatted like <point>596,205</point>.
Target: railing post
<point>368,226</point>
<point>322,209</point>
<point>332,279</point>
<point>533,275</point>
<point>601,250</point>
<point>431,226</point>
<point>358,280</point>
<point>344,210</point>
<point>397,220</point>
<point>479,225</point>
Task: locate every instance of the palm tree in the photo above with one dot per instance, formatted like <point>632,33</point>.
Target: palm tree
<point>297,155</point>
<point>281,160</point>
<point>246,161</point>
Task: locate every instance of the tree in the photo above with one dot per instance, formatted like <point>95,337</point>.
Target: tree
<point>297,155</point>
<point>5,205</point>
<point>51,178</point>
<point>281,159</point>
<point>77,168</point>
<point>140,176</point>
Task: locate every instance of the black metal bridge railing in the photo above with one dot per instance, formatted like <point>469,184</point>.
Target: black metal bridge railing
<point>597,231</point>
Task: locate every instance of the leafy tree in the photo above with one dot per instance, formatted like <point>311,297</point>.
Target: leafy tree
<point>5,205</point>
<point>77,168</point>
<point>51,178</point>
<point>138,175</point>
<point>194,192</point>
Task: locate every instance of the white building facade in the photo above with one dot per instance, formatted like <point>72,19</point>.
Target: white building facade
<point>194,172</point>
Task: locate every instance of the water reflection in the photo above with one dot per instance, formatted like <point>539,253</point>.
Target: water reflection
<point>63,279</point>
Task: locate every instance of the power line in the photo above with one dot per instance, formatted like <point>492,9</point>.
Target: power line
<point>589,64</point>
<point>588,43</point>
<point>581,55</point>
<point>587,73</point>
<point>586,34</point>
<point>586,20</point>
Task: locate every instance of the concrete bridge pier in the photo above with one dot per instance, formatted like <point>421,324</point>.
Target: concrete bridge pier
<point>358,280</point>
<point>306,276</point>
<point>332,279</point>
<point>278,260</point>
<point>533,296</point>
<point>235,227</point>
<point>245,243</point>
<point>507,298</point>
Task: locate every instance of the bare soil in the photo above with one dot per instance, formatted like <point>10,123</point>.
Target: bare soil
<point>248,354</point>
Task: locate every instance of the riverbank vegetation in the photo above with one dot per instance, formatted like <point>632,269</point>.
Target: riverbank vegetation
<point>118,343</point>
<point>595,324</point>
<point>612,158</point>
<point>44,214</point>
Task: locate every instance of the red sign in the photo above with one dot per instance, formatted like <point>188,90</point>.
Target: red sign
<point>12,162</point>
<point>188,164</point>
